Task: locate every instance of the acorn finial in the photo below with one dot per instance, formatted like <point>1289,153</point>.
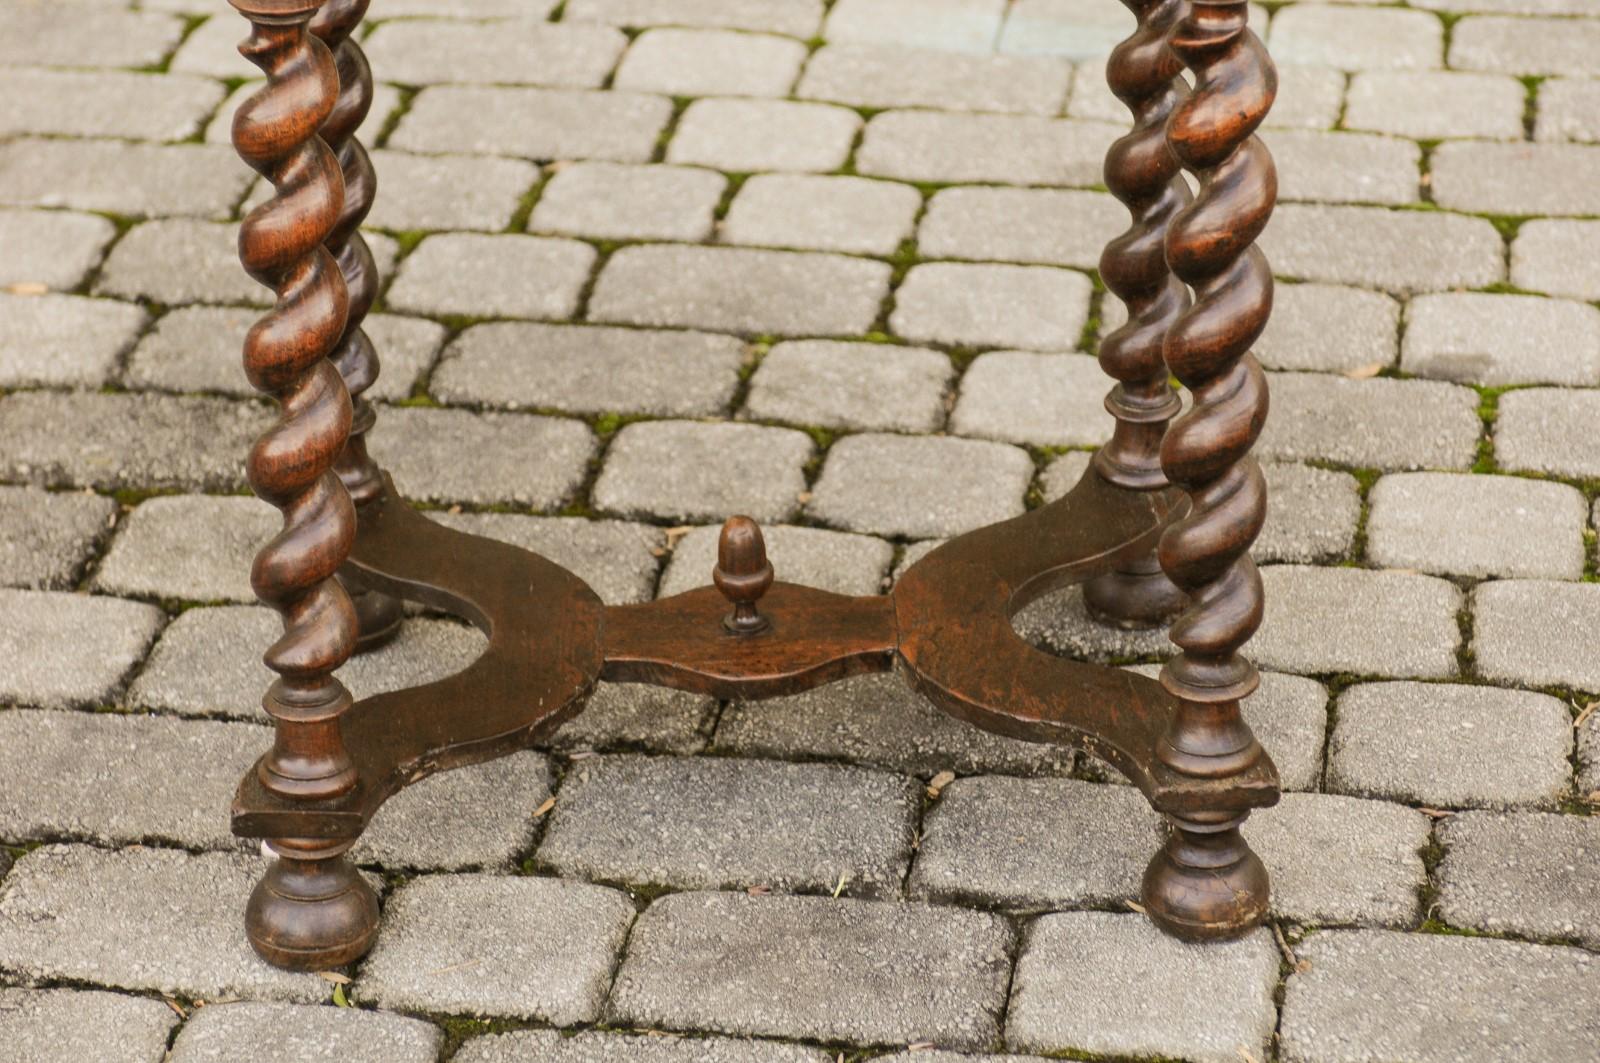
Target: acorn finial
<point>742,574</point>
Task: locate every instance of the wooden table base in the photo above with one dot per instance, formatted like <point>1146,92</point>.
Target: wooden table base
<point>1159,527</point>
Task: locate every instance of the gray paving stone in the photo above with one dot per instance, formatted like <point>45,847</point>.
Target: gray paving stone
<point>1042,226</point>
<point>68,1025</point>
<point>1005,149</point>
<point>482,945</point>
<point>248,1032</point>
<point>1034,844</point>
<point>188,547</point>
<point>1369,247</point>
<point>1328,328</point>
<point>121,177</point>
<point>72,912</point>
<point>63,340</point>
<point>78,35</point>
<point>519,51</point>
<point>141,266</point>
<point>1085,979</point>
<point>1355,39</point>
<point>945,25</point>
<point>1311,514</point>
<point>614,557</point>
<point>628,716</point>
<point>134,106</point>
<point>896,76</point>
<point>1345,167</point>
<point>1477,525</point>
<point>758,135</point>
<point>1451,746</point>
<point>1046,399</point>
<point>68,650</point>
<point>1031,307</point>
<point>500,276</point>
<point>1567,109</point>
<point>1064,471</point>
<point>687,471</point>
<point>123,780</point>
<point>724,823</point>
<point>794,18</point>
<point>208,662</point>
<point>1520,7</point>
<point>458,456</point>
<point>1532,632</point>
<point>852,386</point>
<point>195,348</point>
<point>739,290</point>
<point>1532,875</point>
<point>1379,423</point>
<point>848,214</point>
<point>1436,105</point>
<point>213,50</point>
<point>1515,178</point>
<point>613,202</point>
<point>385,101</point>
<point>1077,29</point>
<point>878,721</point>
<point>705,62</point>
<point>836,561</point>
<point>595,1046</point>
<point>834,970</point>
<point>55,248</point>
<point>1526,46</point>
<point>1323,620</point>
<point>1340,861</point>
<point>919,487</point>
<point>540,124</point>
<point>590,370</point>
<point>1551,256</point>
<point>46,538</point>
<point>1435,998</point>
<point>448,192</point>
<point>1545,430</point>
<point>423,826</point>
<point>1309,97</point>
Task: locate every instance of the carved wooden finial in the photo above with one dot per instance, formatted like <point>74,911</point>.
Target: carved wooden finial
<point>743,574</point>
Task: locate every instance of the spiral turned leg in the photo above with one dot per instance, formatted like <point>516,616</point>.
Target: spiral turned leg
<point>1206,883</point>
<point>378,615</point>
<point>311,910</point>
<point>1143,174</point>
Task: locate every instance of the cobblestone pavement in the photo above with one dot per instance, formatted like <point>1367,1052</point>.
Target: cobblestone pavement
<point>655,261</point>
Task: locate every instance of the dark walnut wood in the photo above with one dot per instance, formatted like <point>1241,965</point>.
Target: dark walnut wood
<point>1206,882</point>
<point>1143,73</point>
<point>378,615</point>
<point>311,910</point>
<point>1162,519</point>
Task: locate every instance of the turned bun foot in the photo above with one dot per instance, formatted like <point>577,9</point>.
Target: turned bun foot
<point>1205,883</point>
<point>312,910</point>
<point>1134,598</point>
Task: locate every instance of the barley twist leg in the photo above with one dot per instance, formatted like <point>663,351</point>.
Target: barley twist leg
<point>311,910</point>
<point>379,615</point>
<point>1206,883</point>
<point>1139,170</point>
